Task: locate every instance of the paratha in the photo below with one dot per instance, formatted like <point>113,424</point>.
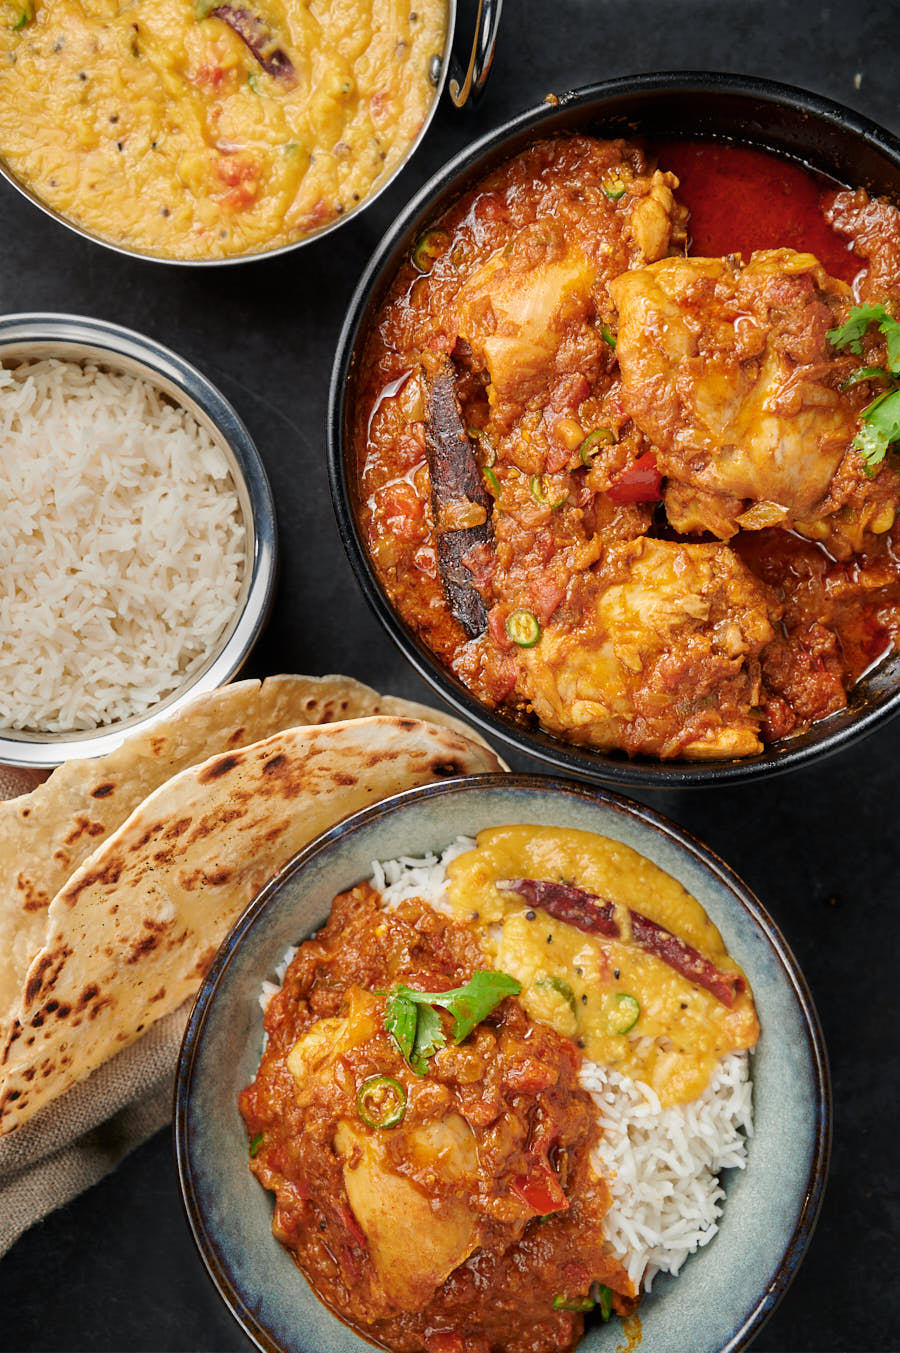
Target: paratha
<point>136,926</point>
<point>47,834</point>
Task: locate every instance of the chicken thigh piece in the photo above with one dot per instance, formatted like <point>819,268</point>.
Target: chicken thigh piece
<point>728,370</point>
<point>517,310</point>
<point>656,652</point>
<point>410,1256</point>
<point>534,311</point>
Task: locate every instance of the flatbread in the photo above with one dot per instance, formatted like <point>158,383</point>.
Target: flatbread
<point>47,834</point>
<point>135,928</point>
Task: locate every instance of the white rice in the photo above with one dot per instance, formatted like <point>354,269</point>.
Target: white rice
<point>422,876</point>
<point>122,546</point>
<point>662,1165</point>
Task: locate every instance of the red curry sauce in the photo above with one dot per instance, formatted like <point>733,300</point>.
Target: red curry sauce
<point>832,616</point>
<point>742,199</point>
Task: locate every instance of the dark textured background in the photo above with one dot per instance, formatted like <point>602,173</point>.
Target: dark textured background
<point>116,1270</point>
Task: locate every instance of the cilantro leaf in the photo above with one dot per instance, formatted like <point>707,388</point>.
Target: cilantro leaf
<point>401,1020</point>
<point>429,1038</point>
<point>850,334</point>
<point>880,427</point>
<point>414,1023</point>
<point>880,421</point>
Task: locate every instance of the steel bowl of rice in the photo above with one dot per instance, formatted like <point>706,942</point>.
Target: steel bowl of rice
<point>137,536</point>
<point>492,1066</point>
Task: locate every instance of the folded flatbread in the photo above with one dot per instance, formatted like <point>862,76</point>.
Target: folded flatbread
<point>132,932</point>
<point>47,834</point>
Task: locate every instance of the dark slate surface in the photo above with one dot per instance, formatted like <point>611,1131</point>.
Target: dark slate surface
<point>115,1270</point>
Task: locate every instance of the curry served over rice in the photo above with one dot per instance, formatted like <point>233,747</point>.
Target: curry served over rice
<point>205,130</point>
<point>426,1106</point>
<point>624,441</point>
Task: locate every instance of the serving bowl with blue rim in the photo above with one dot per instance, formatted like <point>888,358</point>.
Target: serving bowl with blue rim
<point>725,1291</point>
<point>673,105</point>
<point>78,338</point>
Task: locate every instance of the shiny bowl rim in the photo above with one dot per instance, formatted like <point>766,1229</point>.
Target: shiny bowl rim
<point>258,255</point>
<point>161,367</point>
<point>215,1263</point>
<point>825,738</point>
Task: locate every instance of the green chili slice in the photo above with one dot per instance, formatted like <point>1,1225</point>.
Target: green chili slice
<point>428,248</point>
<point>255,1144</point>
<point>865,373</point>
<point>523,628</point>
<point>626,1014</point>
<point>604,1301</point>
<point>540,495</point>
<point>593,442</point>
<point>24,18</point>
<point>381,1102</point>
<point>561,986</point>
<point>564,1303</point>
<point>614,189</point>
<point>608,336</point>
<point>492,481</point>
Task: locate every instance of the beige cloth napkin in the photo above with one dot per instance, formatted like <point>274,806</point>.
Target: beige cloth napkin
<point>73,1142</point>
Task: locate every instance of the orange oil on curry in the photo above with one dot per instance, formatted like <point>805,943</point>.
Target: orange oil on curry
<point>742,199</point>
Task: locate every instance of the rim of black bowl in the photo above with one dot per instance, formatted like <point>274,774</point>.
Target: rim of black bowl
<point>873,701</point>
<point>784,1272</point>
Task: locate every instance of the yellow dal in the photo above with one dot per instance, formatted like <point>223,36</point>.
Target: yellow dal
<point>682,1030</point>
<point>162,132</point>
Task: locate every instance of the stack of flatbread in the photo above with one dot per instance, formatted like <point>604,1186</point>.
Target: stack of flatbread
<point>124,874</point>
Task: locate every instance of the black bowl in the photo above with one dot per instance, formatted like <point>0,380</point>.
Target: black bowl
<point>791,122</point>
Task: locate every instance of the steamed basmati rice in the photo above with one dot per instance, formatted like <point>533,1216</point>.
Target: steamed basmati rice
<point>122,546</point>
<point>662,1165</point>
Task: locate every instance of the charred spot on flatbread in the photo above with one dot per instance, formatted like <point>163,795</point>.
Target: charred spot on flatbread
<point>34,898</point>
<point>220,766</point>
<point>447,768</point>
<point>106,874</point>
<point>83,825</point>
<point>130,934</point>
<point>46,969</point>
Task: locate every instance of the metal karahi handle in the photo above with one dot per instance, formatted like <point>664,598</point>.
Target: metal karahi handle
<point>467,85</point>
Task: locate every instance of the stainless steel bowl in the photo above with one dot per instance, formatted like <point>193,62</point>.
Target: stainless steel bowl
<point>24,337</point>
<point>464,83</point>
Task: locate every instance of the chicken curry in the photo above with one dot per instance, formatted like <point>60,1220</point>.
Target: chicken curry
<point>620,471</point>
<point>418,1113</point>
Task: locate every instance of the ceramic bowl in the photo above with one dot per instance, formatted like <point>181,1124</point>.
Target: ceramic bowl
<point>669,106</point>
<point>725,1291</point>
<point>30,337</point>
